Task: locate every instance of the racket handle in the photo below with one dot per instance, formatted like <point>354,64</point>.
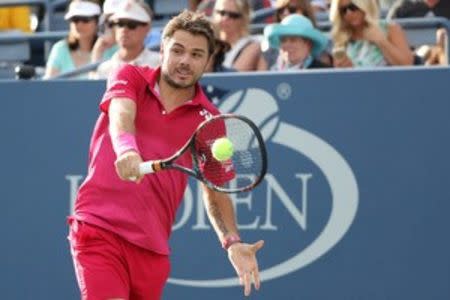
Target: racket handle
<point>146,167</point>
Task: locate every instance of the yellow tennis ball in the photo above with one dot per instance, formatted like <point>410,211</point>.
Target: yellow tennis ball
<point>222,149</point>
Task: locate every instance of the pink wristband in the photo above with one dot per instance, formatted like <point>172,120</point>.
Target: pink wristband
<point>230,240</point>
<point>124,142</point>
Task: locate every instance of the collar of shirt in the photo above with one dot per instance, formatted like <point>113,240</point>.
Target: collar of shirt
<point>154,88</point>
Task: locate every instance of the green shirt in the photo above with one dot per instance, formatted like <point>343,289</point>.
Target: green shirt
<point>61,60</point>
<point>366,54</point>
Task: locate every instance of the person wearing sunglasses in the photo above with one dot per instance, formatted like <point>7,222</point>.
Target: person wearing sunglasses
<point>285,8</point>
<point>75,51</point>
<point>232,18</point>
<point>106,45</point>
<point>131,23</point>
<point>361,39</point>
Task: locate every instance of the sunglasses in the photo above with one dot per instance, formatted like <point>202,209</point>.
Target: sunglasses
<point>291,9</point>
<point>82,19</point>
<point>349,7</point>
<point>132,25</point>
<point>230,14</point>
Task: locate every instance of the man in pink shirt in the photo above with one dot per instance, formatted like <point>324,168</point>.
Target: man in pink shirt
<point>122,222</point>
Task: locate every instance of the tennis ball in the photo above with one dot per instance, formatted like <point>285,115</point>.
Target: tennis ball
<point>222,149</point>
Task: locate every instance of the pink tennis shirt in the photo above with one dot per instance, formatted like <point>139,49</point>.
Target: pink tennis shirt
<point>141,213</point>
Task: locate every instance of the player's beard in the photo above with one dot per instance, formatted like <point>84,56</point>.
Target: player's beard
<point>166,77</point>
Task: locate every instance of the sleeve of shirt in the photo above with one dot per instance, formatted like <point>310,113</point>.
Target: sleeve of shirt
<point>122,83</point>
<point>55,56</point>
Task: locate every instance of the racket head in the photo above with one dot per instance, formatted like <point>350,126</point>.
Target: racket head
<point>245,169</point>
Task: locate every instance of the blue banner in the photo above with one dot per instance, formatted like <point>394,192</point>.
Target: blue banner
<point>354,205</point>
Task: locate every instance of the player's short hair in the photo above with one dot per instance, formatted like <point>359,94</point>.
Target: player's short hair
<point>194,23</point>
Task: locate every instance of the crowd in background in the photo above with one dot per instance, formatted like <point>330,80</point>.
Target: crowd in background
<point>114,32</point>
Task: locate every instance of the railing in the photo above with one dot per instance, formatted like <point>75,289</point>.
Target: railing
<point>37,36</point>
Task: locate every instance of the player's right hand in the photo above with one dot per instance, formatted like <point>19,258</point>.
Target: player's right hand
<point>127,166</point>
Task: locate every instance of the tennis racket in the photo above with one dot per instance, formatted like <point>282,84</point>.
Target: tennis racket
<point>242,172</point>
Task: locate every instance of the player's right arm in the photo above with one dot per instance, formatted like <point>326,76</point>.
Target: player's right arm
<point>122,114</point>
<point>120,103</point>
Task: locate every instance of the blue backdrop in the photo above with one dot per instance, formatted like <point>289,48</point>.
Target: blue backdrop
<point>355,204</point>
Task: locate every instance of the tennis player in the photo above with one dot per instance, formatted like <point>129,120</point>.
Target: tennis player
<point>120,229</point>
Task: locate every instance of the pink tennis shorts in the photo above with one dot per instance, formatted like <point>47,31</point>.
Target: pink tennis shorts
<point>109,267</point>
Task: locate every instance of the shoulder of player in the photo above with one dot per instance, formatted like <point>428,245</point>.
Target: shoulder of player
<point>128,72</point>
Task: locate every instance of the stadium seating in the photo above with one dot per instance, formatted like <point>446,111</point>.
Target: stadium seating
<point>52,27</point>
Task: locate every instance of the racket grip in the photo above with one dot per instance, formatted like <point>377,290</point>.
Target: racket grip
<point>146,168</point>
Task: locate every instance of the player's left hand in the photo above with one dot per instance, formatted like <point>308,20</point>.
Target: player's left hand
<point>243,259</point>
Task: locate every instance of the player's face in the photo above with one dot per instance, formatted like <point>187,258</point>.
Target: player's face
<point>184,59</point>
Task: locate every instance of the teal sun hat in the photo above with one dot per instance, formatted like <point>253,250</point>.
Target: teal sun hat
<point>296,25</point>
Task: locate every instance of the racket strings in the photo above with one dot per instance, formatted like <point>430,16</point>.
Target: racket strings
<point>245,166</point>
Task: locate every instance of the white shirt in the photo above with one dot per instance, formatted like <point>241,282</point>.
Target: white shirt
<point>145,58</point>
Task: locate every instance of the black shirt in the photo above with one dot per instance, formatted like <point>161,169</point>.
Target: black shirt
<point>410,9</point>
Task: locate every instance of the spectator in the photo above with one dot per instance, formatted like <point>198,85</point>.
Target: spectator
<point>232,18</point>
<point>106,42</point>
<point>215,64</point>
<point>207,6</point>
<point>422,8</point>
<point>299,43</point>
<point>435,54</point>
<point>15,18</point>
<point>284,9</point>
<point>320,5</point>
<point>75,51</point>
<point>288,7</point>
<point>361,39</point>
<point>131,22</point>
<point>429,54</point>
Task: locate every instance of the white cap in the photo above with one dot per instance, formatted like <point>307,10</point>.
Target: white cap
<point>132,10</point>
<point>109,6</point>
<point>82,9</point>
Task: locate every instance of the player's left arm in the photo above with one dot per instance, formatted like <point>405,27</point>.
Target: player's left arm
<point>242,255</point>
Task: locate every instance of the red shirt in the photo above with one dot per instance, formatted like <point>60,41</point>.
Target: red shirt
<point>141,213</point>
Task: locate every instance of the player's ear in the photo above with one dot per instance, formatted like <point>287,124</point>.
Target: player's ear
<point>209,66</point>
